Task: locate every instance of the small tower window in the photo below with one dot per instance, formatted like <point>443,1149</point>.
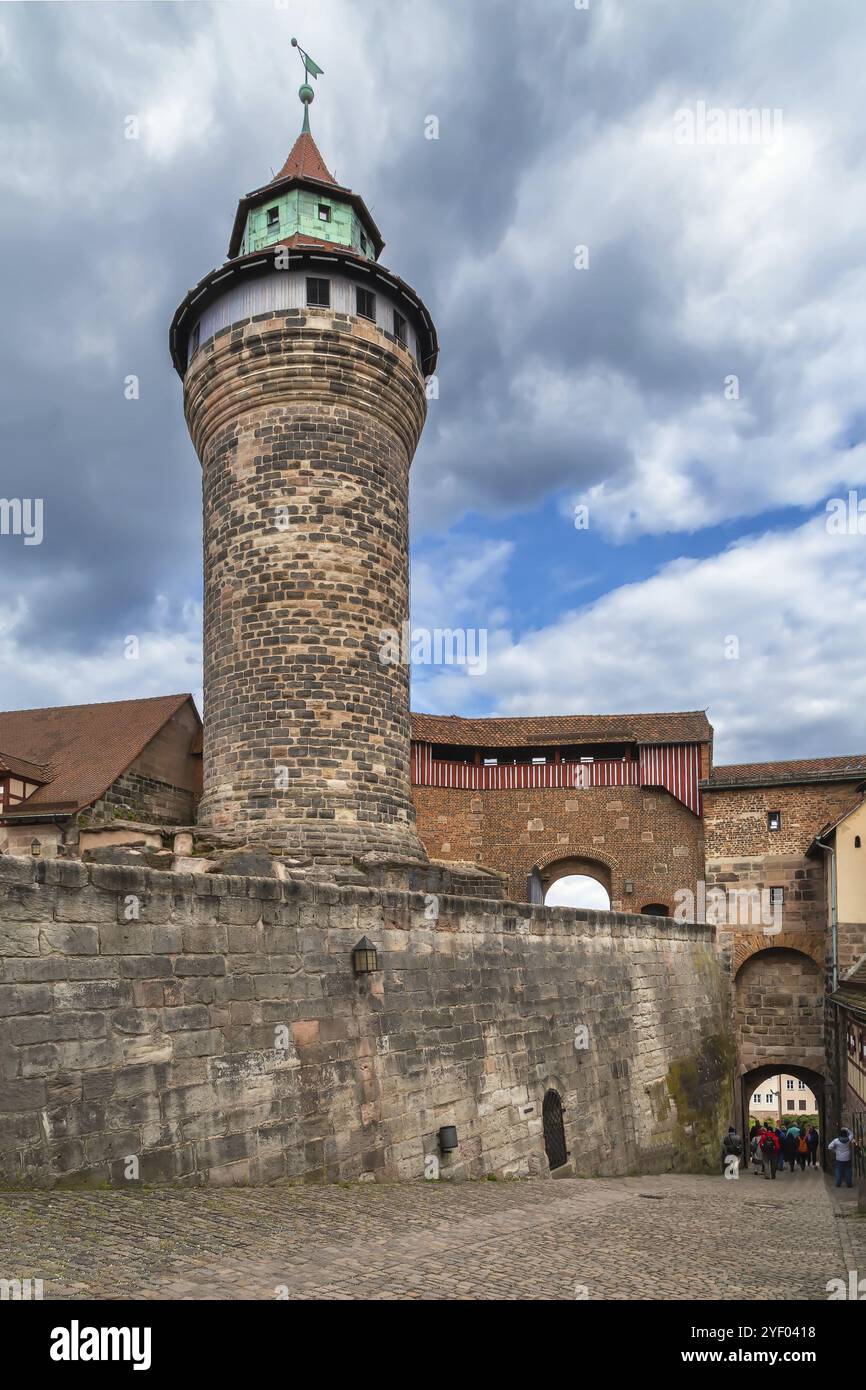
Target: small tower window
<point>399,327</point>
<point>363,243</point>
<point>324,212</point>
<point>194,340</point>
<point>856,841</point>
<point>774,820</point>
<point>273,218</point>
<point>319,292</point>
<point>365,304</point>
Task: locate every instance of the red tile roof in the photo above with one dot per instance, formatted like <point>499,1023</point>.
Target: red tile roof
<point>20,767</point>
<point>305,162</point>
<point>87,746</point>
<point>689,727</point>
<point>843,769</point>
<point>304,239</point>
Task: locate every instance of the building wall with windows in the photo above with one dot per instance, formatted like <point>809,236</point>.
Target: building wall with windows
<point>782,1097</point>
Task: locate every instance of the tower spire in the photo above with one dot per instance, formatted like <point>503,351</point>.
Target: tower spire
<point>305,91</point>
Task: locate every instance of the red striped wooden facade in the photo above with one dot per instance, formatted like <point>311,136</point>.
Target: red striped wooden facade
<point>675,767</point>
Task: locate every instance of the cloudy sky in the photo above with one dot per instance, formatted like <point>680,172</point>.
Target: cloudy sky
<point>693,378</point>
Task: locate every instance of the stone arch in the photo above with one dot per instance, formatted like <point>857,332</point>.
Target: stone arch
<point>815,1080</point>
<point>555,866</point>
<point>779,1009</point>
<point>748,944</point>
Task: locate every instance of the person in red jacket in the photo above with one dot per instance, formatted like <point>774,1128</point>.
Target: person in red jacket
<point>769,1148</point>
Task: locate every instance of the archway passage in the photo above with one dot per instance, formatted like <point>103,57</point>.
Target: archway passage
<point>578,890</point>
<point>655,910</point>
<point>575,882</point>
<point>554,1130</point>
<point>751,1081</point>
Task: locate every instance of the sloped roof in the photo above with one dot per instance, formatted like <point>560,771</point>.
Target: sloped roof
<point>692,726</point>
<point>305,162</point>
<point>87,746</point>
<point>841,769</point>
<point>20,767</point>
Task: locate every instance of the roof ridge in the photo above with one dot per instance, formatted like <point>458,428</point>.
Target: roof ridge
<point>100,704</point>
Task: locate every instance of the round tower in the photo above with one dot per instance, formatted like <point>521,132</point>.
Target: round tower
<point>304,364</point>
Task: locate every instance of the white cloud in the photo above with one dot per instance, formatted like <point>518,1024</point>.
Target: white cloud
<point>795,601</point>
<point>44,674</point>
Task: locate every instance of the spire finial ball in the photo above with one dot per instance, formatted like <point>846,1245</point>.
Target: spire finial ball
<point>306,93</point>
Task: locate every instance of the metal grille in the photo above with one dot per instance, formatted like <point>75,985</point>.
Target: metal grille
<point>554,1130</point>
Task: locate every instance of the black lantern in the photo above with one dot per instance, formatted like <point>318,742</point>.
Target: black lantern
<point>448,1138</point>
<point>36,847</point>
<point>365,957</point>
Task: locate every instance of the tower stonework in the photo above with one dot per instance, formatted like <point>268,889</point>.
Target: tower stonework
<point>304,365</point>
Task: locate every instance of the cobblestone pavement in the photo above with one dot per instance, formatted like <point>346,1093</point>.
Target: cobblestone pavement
<point>669,1237</point>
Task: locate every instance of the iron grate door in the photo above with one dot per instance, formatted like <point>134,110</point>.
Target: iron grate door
<point>554,1130</point>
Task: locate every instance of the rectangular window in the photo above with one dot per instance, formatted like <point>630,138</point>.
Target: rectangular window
<point>777,896</point>
<point>399,327</point>
<point>273,218</point>
<point>363,243</point>
<point>801,1085</point>
<point>789,1084</point>
<point>790,1105</point>
<point>365,304</point>
<point>319,292</point>
<point>774,820</point>
<point>802,1105</point>
<point>324,212</point>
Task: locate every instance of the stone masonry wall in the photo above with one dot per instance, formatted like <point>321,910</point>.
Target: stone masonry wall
<point>306,424</point>
<point>644,836</point>
<point>212,1028</point>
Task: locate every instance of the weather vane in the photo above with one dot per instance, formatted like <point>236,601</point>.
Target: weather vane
<point>306,92</point>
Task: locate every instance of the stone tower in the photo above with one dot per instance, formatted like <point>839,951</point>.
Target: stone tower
<point>304,364</point>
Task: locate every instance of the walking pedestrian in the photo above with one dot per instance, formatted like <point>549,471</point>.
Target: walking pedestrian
<point>770,1152</point>
<point>731,1144</point>
<point>813,1139</point>
<point>802,1152</point>
<point>792,1141</point>
<point>842,1149</point>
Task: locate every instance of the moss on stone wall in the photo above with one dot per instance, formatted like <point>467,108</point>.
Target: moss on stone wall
<point>701,1087</point>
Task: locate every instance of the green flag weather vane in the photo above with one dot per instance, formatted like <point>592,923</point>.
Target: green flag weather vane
<point>306,93</point>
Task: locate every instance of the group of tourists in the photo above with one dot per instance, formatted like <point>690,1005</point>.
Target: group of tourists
<point>772,1147</point>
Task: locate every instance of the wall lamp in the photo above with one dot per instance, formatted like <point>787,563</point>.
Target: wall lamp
<point>365,957</point>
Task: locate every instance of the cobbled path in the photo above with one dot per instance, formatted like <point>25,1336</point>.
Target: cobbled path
<point>667,1237</point>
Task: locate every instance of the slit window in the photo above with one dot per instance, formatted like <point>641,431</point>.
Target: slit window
<point>273,218</point>
<point>318,292</point>
<point>194,340</point>
<point>363,243</point>
<point>856,841</point>
<point>365,304</point>
<point>324,212</point>
<point>774,820</point>
<point>399,327</point>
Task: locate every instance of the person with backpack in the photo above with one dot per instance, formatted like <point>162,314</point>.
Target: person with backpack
<point>770,1152</point>
<point>780,1135</point>
<point>842,1149</point>
<point>813,1140</point>
<point>802,1152</point>
<point>731,1144</point>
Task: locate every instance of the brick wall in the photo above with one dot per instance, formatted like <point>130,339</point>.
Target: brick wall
<point>221,1034</point>
<point>318,413</point>
<point>645,836</point>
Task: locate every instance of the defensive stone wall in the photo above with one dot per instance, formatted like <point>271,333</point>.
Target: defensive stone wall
<point>211,1028</point>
